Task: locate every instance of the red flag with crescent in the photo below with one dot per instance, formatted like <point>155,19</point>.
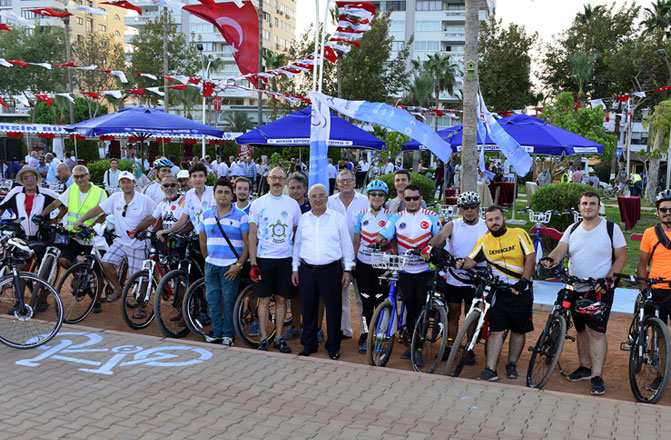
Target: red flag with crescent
<point>124,4</point>
<point>240,29</point>
<point>4,27</point>
<point>48,12</point>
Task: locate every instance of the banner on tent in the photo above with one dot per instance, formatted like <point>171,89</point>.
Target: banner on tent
<point>33,128</point>
<point>306,141</point>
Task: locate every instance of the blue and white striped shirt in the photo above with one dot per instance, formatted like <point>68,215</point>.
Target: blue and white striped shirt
<point>234,223</point>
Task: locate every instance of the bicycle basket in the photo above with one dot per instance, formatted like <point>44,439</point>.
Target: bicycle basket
<point>380,260</point>
<point>448,212</point>
<point>540,217</point>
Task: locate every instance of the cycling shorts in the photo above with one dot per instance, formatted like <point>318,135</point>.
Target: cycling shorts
<point>459,294</point>
<point>662,297</point>
<point>599,324</point>
<point>275,278</point>
<point>512,312</point>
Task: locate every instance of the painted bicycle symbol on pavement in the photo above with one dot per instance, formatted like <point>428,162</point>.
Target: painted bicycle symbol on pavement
<point>66,349</point>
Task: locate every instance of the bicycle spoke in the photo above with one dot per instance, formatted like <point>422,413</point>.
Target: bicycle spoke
<point>649,363</point>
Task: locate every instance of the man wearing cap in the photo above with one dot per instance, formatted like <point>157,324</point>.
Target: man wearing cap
<point>154,190</point>
<point>593,179</point>
<point>77,200</point>
<point>183,181</point>
<point>128,209</point>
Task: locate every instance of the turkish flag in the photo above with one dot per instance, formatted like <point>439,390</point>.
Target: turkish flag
<point>240,29</point>
<point>124,4</point>
<point>4,27</point>
<point>5,105</point>
<point>48,12</point>
<point>91,95</point>
<point>46,99</point>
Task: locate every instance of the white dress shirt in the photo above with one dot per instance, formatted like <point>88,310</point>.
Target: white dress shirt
<point>359,203</point>
<point>322,240</point>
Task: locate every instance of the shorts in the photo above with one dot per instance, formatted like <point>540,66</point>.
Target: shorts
<point>662,297</point>
<point>597,324</point>
<point>73,250</point>
<point>275,278</point>
<point>512,312</point>
<point>457,294</point>
<point>118,252</point>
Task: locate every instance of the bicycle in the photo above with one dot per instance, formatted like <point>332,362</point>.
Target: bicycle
<point>648,343</point>
<point>386,320</point>
<point>19,326</point>
<point>431,326</point>
<point>82,284</point>
<point>469,334</point>
<point>541,219</point>
<point>50,237</point>
<point>173,286</point>
<point>545,354</point>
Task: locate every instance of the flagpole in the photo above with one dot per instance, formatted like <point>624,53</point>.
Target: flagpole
<point>314,78</point>
<point>321,52</point>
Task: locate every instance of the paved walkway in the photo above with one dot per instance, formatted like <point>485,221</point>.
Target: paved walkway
<point>103,384</point>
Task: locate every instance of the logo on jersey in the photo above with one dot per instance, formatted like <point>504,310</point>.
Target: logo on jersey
<point>424,225</point>
<point>278,231</point>
<point>173,207</point>
<point>401,226</point>
<point>365,222</point>
<point>381,223</point>
<point>284,214</point>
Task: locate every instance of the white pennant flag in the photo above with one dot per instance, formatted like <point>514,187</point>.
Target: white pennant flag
<point>4,62</point>
<point>286,72</point>
<point>119,74</point>
<point>596,103</point>
<point>114,93</point>
<point>15,18</point>
<point>88,9</point>
<point>149,75</point>
<point>639,94</point>
<point>156,90</point>
<point>181,78</point>
<point>66,96</point>
<point>339,47</point>
<point>21,99</point>
<point>91,67</point>
<point>45,65</point>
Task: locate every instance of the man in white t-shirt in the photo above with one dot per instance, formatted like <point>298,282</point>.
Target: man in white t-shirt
<point>597,249</point>
<point>128,208</point>
<point>273,219</point>
<point>169,210</point>
<point>222,168</point>
<point>154,190</point>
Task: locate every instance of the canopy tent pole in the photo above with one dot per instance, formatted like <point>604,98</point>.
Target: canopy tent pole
<point>76,154</point>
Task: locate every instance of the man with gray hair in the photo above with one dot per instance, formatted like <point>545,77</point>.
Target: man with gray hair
<point>64,174</point>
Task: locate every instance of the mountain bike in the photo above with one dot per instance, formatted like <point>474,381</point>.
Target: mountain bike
<point>388,317</point>
<point>469,334</point>
<point>648,343</point>
<point>174,284</point>
<point>541,219</point>
<point>545,354</point>
<point>20,326</point>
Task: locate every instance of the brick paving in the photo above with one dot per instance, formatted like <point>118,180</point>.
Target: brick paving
<point>242,394</point>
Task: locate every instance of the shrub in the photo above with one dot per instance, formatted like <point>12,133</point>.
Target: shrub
<point>98,168</point>
<point>559,197</point>
<point>427,185</point>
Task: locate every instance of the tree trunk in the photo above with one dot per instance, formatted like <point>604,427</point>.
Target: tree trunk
<point>469,151</point>
<point>653,170</point>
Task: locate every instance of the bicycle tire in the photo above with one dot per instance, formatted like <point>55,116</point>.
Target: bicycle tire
<point>49,260</point>
<point>455,361</point>
<point>195,310</point>
<point>79,300</point>
<point>378,345</point>
<point>545,354</point>
<point>168,302</point>
<point>432,331</point>
<point>132,301</point>
<point>122,273</point>
<point>245,316</point>
<point>43,275</point>
<point>653,330</point>
<point>29,329</point>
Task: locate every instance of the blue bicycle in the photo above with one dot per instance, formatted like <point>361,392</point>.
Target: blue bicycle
<point>388,317</point>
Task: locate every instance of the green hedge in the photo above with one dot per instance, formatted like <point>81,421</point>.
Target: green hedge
<point>427,185</point>
<point>98,168</point>
<point>559,197</point>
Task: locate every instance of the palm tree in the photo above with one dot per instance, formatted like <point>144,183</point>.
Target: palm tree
<point>582,67</point>
<point>441,68</point>
<point>239,122</point>
<point>420,92</point>
<point>273,60</point>
<point>658,17</point>
<point>189,97</point>
<point>589,12</point>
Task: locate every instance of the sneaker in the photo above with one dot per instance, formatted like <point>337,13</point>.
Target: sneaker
<point>362,339</point>
<point>292,334</point>
<point>597,385</point>
<point>263,345</point>
<point>41,307</point>
<point>511,370</point>
<point>140,314</point>
<point>14,308</point>
<point>406,354</point>
<point>469,358</point>
<point>227,341</point>
<point>363,349</point>
<point>582,373</point>
<point>255,330</point>
<point>419,361</point>
<point>489,375</point>
<point>97,307</point>
<point>213,340</point>
<point>320,336</point>
<point>654,386</point>
<point>282,346</point>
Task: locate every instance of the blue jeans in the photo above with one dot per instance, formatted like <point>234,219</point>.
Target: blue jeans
<point>217,290</point>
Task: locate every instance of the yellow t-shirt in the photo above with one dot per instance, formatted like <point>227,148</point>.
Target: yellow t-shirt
<point>661,259</point>
<point>505,254</point>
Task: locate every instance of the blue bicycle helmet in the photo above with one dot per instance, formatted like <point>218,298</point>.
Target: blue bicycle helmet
<point>162,163</point>
<point>377,185</point>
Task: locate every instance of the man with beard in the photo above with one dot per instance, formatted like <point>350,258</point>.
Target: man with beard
<point>169,210</point>
<point>597,249</point>
<point>511,255</point>
<point>155,189</point>
<point>243,188</point>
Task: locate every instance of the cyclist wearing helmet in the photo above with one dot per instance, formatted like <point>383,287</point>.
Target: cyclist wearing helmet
<point>154,190</point>
<point>367,225</point>
<point>596,249</point>
<point>459,237</point>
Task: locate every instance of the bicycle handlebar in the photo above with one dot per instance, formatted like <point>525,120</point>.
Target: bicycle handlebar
<point>634,279</point>
<point>562,274</point>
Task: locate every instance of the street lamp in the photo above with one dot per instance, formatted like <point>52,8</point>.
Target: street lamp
<point>205,71</point>
<point>662,53</point>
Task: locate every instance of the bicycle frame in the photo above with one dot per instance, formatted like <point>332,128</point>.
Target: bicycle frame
<point>398,321</point>
<point>480,303</point>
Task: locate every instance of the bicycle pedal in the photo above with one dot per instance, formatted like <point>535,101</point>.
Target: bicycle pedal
<point>625,346</point>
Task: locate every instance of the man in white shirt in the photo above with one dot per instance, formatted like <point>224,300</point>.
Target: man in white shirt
<point>272,224</point>
<point>111,176</point>
<point>128,209</point>
<point>333,172</point>
<point>322,247</point>
<point>349,203</point>
<point>222,168</point>
<point>234,169</point>
<point>169,210</point>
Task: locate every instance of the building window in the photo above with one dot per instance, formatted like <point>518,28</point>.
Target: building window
<point>429,45</point>
<point>102,28</point>
<point>117,34</point>
<point>116,17</point>
<point>397,46</point>
<point>422,25</point>
<point>429,5</point>
<point>5,2</point>
<point>397,25</point>
<point>89,25</point>
<point>395,6</point>
<point>456,7</point>
<point>80,21</point>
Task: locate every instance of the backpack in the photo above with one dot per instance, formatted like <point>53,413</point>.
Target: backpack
<point>661,239</point>
<point>610,227</point>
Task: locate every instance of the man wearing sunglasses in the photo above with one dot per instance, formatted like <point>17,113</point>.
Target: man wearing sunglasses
<point>412,229</point>
<point>128,209</point>
<point>401,180</point>
<point>169,210</point>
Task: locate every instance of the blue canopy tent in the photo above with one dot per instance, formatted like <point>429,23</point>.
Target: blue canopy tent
<point>294,131</point>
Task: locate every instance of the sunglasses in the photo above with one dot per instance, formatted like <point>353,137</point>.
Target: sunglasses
<point>346,180</point>
<point>169,185</point>
<point>411,198</point>
<point>473,206</point>
<point>664,210</point>
<point>125,208</point>
<point>79,176</point>
<point>376,194</point>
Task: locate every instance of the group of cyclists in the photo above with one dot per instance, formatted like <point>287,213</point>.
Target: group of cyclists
<point>255,241</point>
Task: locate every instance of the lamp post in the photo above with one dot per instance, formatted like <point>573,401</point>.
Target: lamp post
<point>200,47</point>
<point>662,53</point>
<point>66,22</point>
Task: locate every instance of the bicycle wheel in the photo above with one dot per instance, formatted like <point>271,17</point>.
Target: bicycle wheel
<point>378,344</point>
<point>195,310</point>
<point>649,362</point>
<point>78,294</point>
<point>122,273</point>
<point>28,328</point>
<point>455,361</point>
<point>48,262</point>
<point>429,339</point>
<point>168,304</point>
<point>136,305</point>
<point>545,355</point>
<point>246,318</point>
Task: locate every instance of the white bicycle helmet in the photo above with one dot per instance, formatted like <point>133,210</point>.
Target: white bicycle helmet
<point>468,198</point>
<point>664,196</point>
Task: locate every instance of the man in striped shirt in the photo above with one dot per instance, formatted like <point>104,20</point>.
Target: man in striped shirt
<point>223,242</point>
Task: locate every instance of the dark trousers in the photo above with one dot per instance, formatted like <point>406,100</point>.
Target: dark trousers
<point>360,177</point>
<point>312,284</point>
<point>372,292</point>
<point>414,287</point>
<point>331,186</point>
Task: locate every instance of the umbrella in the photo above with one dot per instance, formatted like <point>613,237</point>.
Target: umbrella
<point>445,133</point>
<point>294,131</point>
